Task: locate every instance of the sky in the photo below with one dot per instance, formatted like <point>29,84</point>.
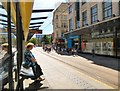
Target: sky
<point>46,4</point>
<point>47,26</point>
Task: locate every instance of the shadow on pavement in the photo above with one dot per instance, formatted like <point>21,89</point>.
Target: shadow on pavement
<point>36,85</point>
<point>105,61</point>
<point>109,62</point>
<point>63,53</point>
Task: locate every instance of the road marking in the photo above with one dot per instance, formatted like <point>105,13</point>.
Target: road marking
<point>83,73</point>
<point>97,80</point>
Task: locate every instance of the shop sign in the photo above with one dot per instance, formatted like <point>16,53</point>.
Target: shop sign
<point>72,37</point>
<point>104,35</point>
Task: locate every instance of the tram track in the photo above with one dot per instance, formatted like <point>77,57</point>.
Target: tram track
<point>88,72</point>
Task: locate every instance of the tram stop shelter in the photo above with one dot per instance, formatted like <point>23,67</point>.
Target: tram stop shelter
<point>20,13</point>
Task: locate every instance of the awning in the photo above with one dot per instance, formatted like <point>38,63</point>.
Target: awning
<point>13,13</point>
<point>25,12</point>
<point>26,15</point>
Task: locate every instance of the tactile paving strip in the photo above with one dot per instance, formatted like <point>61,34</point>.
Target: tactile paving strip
<point>80,82</point>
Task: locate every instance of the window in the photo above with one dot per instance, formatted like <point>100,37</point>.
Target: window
<point>56,25</point>
<point>83,2</point>
<point>62,34</point>
<point>107,9</point>
<point>77,23</point>
<point>77,18</point>
<point>65,26</point>
<point>77,5</point>
<point>56,16</point>
<point>94,16</point>
<point>119,7</point>
<point>70,24</point>
<point>84,18</point>
<point>64,17</point>
<point>57,34</point>
<point>70,9</point>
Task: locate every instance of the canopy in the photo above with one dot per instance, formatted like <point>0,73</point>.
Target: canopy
<point>25,11</point>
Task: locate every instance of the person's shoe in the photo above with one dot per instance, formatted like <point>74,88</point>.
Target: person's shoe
<point>40,79</point>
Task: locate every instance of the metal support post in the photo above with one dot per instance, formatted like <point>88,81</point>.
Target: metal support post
<point>80,43</point>
<point>116,43</point>
<point>19,44</point>
<point>115,39</point>
<point>10,79</point>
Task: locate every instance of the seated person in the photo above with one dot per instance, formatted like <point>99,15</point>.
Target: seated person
<point>4,51</point>
<point>31,61</point>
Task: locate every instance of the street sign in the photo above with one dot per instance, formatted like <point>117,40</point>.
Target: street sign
<point>35,31</point>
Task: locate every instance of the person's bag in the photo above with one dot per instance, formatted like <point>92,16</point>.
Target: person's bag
<point>38,70</point>
<point>26,64</point>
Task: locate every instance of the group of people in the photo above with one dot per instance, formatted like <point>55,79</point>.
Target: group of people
<point>72,51</point>
<point>29,60</point>
<point>47,48</point>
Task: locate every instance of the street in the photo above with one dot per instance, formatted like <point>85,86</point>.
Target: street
<point>68,72</point>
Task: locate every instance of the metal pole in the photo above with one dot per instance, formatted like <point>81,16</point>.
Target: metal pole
<point>115,32</point>
<point>80,43</point>
<point>10,79</point>
<point>116,44</point>
<point>19,44</point>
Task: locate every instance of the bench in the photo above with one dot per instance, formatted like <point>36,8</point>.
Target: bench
<point>25,74</point>
<point>4,68</point>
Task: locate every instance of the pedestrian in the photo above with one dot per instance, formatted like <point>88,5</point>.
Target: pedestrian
<point>74,52</point>
<point>30,61</point>
<point>93,53</point>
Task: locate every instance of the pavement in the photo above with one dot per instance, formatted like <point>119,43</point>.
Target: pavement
<point>110,62</point>
<point>55,76</point>
<point>62,77</point>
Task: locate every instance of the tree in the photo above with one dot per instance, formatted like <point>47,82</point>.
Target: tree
<point>45,39</point>
<point>33,40</point>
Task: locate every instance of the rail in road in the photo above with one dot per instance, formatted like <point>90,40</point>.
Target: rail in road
<point>101,74</point>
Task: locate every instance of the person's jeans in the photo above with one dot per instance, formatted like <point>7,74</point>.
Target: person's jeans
<point>34,70</point>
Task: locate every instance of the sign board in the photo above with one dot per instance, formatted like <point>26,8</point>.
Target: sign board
<point>35,31</point>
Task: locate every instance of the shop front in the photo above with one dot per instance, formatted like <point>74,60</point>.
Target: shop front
<point>73,42</point>
<point>60,42</point>
<point>103,38</point>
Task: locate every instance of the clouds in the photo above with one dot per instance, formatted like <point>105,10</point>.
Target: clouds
<point>46,4</point>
